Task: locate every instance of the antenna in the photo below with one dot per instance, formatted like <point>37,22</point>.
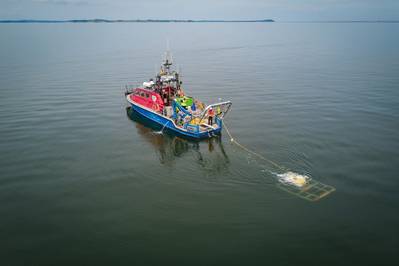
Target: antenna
<point>168,55</point>
<point>167,62</point>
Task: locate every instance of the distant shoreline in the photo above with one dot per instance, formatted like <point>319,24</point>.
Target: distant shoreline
<point>129,21</point>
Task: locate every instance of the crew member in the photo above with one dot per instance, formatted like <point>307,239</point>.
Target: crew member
<point>165,97</point>
<point>211,114</point>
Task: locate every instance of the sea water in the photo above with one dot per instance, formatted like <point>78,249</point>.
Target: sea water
<point>83,184</point>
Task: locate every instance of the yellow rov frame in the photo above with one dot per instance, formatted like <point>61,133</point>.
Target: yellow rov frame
<point>312,191</point>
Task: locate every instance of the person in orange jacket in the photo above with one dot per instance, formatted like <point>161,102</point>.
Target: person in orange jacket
<point>211,114</point>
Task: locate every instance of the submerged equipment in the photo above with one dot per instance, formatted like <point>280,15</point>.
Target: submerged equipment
<point>299,185</point>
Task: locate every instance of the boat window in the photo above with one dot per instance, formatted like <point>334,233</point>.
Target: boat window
<point>147,95</point>
<point>142,94</point>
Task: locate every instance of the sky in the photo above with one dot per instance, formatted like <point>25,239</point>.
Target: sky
<point>280,10</point>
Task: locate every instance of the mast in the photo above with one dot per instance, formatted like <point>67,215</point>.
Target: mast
<point>167,63</point>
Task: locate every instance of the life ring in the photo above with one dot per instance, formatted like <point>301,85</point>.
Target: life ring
<point>155,107</point>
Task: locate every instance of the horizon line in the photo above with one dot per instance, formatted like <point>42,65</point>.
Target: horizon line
<point>101,20</point>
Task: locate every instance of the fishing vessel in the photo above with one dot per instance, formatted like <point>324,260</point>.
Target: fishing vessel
<point>162,101</point>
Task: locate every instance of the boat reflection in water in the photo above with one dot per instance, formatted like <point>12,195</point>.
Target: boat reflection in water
<point>209,153</point>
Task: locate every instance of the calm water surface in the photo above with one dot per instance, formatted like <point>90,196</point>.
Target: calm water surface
<point>82,184</point>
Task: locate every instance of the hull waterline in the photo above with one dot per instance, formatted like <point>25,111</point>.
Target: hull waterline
<point>168,125</point>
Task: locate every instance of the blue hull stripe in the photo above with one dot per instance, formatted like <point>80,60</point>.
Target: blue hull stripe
<point>170,124</point>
